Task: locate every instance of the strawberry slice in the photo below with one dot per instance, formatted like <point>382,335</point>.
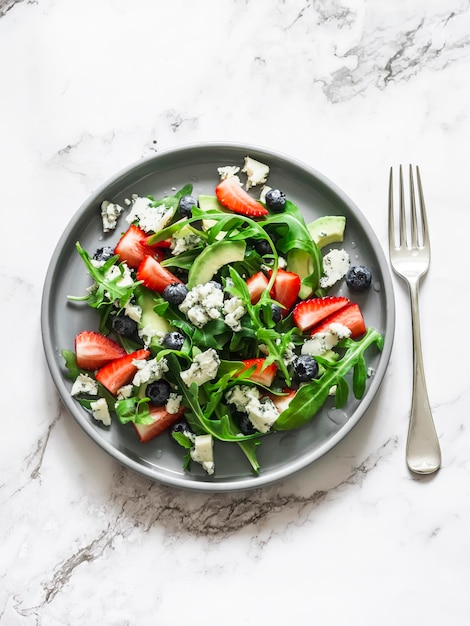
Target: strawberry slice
<point>256,285</point>
<point>93,350</point>
<point>282,402</point>
<point>264,377</point>
<point>311,312</point>
<point>133,248</point>
<point>349,316</point>
<point>162,421</point>
<point>232,196</point>
<point>120,371</point>
<point>154,276</point>
<point>286,289</point>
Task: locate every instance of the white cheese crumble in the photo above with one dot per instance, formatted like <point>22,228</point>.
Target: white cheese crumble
<point>203,452</point>
<point>234,310</point>
<point>335,266</point>
<point>261,412</point>
<point>121,274</point>
<point>289,355</point>
<point>173,403</point>
<point>125,392</point>
<point>134,311</point>
<point>100,411</point>
<point>240,396</point>
<point>84,384</point>
<point>227,170</point>
<point>147,333</point>
<point>150,218</point>
<point>148,371</point>
<point>203,303</point>
<point>257,172</point>
<point>183,241</point>
<point>203,368</point>
<point>320,343</point>
<point>110,212</point>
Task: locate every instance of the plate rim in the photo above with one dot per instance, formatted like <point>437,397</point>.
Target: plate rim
<point>294,466</point>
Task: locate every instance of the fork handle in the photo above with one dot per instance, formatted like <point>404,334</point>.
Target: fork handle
<point>423,453</point>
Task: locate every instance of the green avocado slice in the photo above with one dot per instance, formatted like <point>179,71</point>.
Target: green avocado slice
<point>212,259</point>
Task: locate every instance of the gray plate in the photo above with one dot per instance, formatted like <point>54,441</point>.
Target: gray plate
<point>161,459</point>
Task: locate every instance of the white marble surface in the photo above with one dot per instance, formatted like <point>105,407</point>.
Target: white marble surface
<point>348,86</point>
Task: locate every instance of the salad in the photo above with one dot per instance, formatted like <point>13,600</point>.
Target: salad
<point>214,319</point>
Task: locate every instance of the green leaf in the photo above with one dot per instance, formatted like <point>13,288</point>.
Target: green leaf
<point>359,377</point>
<point>105,290</point>
<point>133,410</point>
<point>71,364</point>
<point>312,396</point>
<point>342,392</point>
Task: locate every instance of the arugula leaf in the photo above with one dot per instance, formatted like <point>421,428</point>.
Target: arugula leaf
<point>133,410</point>
<point>105,290</point>
<point>311,397</point>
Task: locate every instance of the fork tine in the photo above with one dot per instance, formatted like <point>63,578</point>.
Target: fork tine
<point>424,219</point>
<point>391,215</point>
<point>414,219</point>
<point>402,227</point>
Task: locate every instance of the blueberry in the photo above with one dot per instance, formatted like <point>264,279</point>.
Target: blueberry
<point>173,340</point>
<point>305,368</point>
<point>104,253</point>
<point>358,278</point>
<point>186,204</point>
<point>262,247</point>
<point>158,392</point>
<point>246,427</point>
<point>181,426</point>
<point>123,325</point>
<point>175,293</point>
<point>275,200</point>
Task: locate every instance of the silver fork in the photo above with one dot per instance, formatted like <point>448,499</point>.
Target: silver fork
<point>410,255</point>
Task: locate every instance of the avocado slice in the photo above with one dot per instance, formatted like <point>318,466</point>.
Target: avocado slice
<point>210,203</point>
<point>145,299</point>
<point>301,263</point>
<point>212,259</point>
<point>327,229</point>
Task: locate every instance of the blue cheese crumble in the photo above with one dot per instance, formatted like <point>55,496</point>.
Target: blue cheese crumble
<point>110,212</point>
<point>100,411</point>
<point>204,368</point>
<point>234,310</point>
<point>256,171</point>
<point>202,452</point>
<point>202,304</point>
<point>335,267</point>
<point>261,411</point>
<point>183,241</point>
<point>150,218</point>
<point>173,403</point>
<point>321,343</point>
<point>149,371</point>
<point>84,384</point>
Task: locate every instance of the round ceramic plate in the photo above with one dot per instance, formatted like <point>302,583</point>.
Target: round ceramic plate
<point>280,454</point>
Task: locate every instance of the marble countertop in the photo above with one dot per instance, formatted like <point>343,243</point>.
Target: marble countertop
<point>349,87</point>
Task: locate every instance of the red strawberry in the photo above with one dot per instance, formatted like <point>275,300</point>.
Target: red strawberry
<point>310,312</point>
<point>154,276</point>
<point>93,350</point>
<point>256,285</point>
<point>133,247</point>
<point>120,371</point>
<point>232,196</point>
<point>349,316</point>
<point>282,402</point>
<point>264,377</point>
<point>162,421</point>
<point>286,289</point>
